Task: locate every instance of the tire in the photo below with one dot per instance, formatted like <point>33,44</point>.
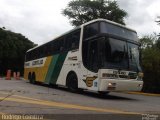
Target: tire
<point>72,82</point>
<point>33,80</point>
<point>30,77</point>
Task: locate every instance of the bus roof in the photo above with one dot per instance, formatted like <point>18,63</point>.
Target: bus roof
<point>108,21</point>
<point>87,23</point>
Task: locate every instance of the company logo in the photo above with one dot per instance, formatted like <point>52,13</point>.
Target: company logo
<point>89,81</point>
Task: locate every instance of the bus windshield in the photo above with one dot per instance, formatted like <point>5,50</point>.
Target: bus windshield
<point>109,46</point>
<point>115,54</point>
<point>110,53</point>
<point>120,55</point>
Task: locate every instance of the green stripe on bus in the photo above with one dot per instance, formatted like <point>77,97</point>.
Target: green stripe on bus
<point>58,67</point>
<point>55,68</point>
<point>50,68</point>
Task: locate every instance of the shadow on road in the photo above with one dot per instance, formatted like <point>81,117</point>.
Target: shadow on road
<point>89,93</point>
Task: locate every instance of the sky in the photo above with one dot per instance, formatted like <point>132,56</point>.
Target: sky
<point>41,20</point>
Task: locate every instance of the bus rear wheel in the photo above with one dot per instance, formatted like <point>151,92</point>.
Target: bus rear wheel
<point>72,82</point>
<point>30,77</point>
<point>33,78</point>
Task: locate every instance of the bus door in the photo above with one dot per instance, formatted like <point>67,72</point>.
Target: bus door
<point>95,49</point>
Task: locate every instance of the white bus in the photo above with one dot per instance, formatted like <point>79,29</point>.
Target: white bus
<point>99,55</point>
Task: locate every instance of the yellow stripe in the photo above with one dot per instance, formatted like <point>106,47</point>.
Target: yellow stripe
<point>69,106</point>
<point>40,72</point>
<point>64,105</point>
<point>18,96</point>
<point>146,94</point>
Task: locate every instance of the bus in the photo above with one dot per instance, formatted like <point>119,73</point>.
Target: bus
<point>100,55</point>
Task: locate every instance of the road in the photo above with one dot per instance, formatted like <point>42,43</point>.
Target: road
<point>21,97</point>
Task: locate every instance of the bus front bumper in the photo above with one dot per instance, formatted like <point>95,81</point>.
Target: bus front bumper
<point>120,85</point>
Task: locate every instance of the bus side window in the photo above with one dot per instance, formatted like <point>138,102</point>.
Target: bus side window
<point>33,54</point>
<point>57,46</point>
<point>43,51</point>
<point>53,47</point>
<point>27,57</point>
<point>61,44</point>
<point>85,53</point>
<point>40,51</point>
<point>75,39</point>
<point>93,56</point>
<point>72,40</point>
<point>68,42</point>
<point>90,30</point>
<point>48,50</point>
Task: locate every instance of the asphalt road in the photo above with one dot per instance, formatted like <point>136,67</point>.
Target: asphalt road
<point>22,98</point>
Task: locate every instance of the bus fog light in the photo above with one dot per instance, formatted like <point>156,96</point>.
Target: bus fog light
<point>109,84</point>
<point>140,85</point>
<point>112,84</point>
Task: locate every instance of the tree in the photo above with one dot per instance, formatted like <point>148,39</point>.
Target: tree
<point>82,11</point>
<point>148,41</point>
<point>13,47</point>
<point>151,63</point>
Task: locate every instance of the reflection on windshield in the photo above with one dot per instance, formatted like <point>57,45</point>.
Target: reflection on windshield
<point>120,55</point>
<point>118,31</point>
<point>116,54</point>
<point>110,53</point>
<point>133,57</point>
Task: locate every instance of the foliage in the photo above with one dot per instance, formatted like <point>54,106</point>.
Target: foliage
<point>148,41</point>
<point>151,63</point>
<point>12,50</point>
<point>82,11</point>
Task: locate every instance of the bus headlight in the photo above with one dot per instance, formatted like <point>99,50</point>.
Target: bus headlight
<point>140,85</point>
<point>140,75</point>
<point>111,86</point>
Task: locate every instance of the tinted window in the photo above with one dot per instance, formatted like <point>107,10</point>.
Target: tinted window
<point>56,46</point>
<point>68,41</point>
<point>72,40</point>
<point>116,54</point>
<point>91,53</point>
<point>76,38</point>
<point>134,57</point>
<point>64,43</point>
<point>91,30</point>
<point>118,31</point>
<point>27,56</point>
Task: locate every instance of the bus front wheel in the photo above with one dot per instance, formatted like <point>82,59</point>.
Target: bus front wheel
<point>72,82</point>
